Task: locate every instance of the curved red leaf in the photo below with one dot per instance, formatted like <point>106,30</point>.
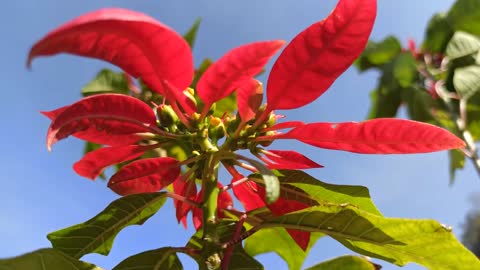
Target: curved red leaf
<point>247,194</point>
<point>378,136</point>
<point>137,43</point>
<point>318,55</point>
<point>289,160</point>
<point>239,64</point>
<point>187,189</point>
<point>249,99</point>
<point>93,163</point>
<point>110,113</point>
<point>145,175</point>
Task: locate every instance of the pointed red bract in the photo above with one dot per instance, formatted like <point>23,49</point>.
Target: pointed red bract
<point>317,56</point>
<point>93,163</point>
<point>112,113</point>
<point>145,175</point>
<point>249,99</point>
<point>187,189</point>
<point>239,64</point>
<point>378,136</point>
<point>137,43</point>
<point>247,194</point>
<point>289,160</point>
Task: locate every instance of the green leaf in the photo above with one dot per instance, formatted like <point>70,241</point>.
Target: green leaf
<point>279,241</point>
<point>226,105</point>
<point>191,34</point>
<point>405,69</point>
<point>345,263</point>
<point>419,104</point>
<point>163,258</point>
<point>45,259</point>
<point>97,234</point>
<point>466,81</point>
<point>457,162</point>
<point>107,81</point>
<point>396,240</point>
<point>299,186</point>
<point>206,63</point>
<point>462,44</point>
<point>465,16</point>
<point>438,33</point>
<point>378,53</point>
<point>386,99</point>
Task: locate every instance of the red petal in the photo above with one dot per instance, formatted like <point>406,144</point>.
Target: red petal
<point>378,136</point>
<point>93,163</point>
<point>137,43</point>
<point>187,190</point>
<point>239,64</point>
<point>249,99</point>
<point>289,160</point>
<point>111,113</point>
<point>302,238</point>
<point>53,114</point>
<point>247,194</point>
<point>317,56</point>
<point>145,175</point>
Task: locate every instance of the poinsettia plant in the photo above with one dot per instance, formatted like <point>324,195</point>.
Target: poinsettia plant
<point>172,144</point>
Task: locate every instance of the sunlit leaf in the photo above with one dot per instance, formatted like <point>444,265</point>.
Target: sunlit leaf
<point>396,240</point>
<point>457,162</point>
<point>467,81</point>
<point>345,263</point>
<point>317,56</point>
<point>163,258</point>
<point>465,16</point>
<point>462,44</point>
<point>135,42</point>
<point>145,175</point>
<point>45,259</point>
<point>378,136</point>
<point>97,234</point>
<point>378,53</point>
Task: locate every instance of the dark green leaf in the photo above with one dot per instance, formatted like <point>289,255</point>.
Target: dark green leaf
<point>345,263</point>
<point>97,234</point>
<point>466,81</point>
<point>191,34</point>
<point>206,63</point>
<point>405,69</point>
<point>378,53</point>
<point>163,258</point>
<point>45,259</point>
<point>279,241</point>
<point>457,162</point>
<point>386,99</point>
<point>107,81</point>
<point>419,104</point>
<point>396,240</point>
<point>465,16</point>
<point>438,33</point>
<point>462,44</point>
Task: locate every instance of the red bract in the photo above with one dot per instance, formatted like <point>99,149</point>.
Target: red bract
<point>137,43</point>
<point>288,160</point>
<point>317,56</point>
<point>224,202</point>
<point>238,65</point>
<point>146,175</point>
<point>249,99</point>
<point>187,189</point>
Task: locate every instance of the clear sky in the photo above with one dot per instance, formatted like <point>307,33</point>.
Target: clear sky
<point>40,192</point>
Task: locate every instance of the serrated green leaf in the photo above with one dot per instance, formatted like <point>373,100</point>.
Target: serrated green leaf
<point>345,263</point>
<point>438,33</point>
<point>405,69</point>
<point>163,258</point>
<point>279,241</point>
<point>378,53</point>
<point>45,259</point>
<point>396,240</point>
<point>466,81</point>
<point>191,34</point>
<point>299,186</point>
<point>97,234</point>
<point>465,16</point>
<point>107,81</point>
<point>462,44</point>
<point>457,162</point>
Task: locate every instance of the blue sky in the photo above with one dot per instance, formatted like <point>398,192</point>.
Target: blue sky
<point>41,193</point>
